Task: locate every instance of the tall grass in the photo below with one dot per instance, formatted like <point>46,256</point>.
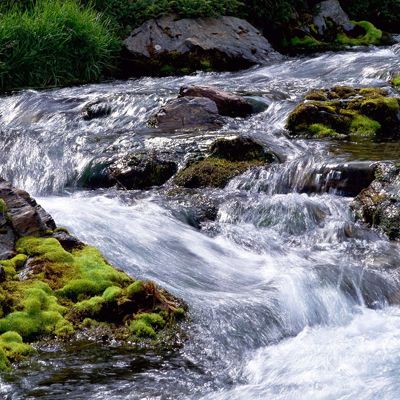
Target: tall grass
<point>56,42</point>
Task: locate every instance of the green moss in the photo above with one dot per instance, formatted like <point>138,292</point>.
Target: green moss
<point>91,307</point>
<point>179,313</point>
<point>142,330</point>
<point>372,36</point>
<point>48,249</point>
<point>60,229</point>
<point>322,131</point>
<point>306,41</point>
<point>362,125</point>
<point>112,293</point>
<point>3,206</point>
<point>396,81</point>
<point>316,95</point>
<point>12,348</point>
<point>135,287</point>
<point>212,172</point>
<point>77,287</point>
<point>146,325</point>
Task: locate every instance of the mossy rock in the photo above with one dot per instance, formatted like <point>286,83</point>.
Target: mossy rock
<point>64,288</point>
<point>342,111</point>
<point>228,159</point>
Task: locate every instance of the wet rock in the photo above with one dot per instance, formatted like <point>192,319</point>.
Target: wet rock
<point>342,111</point>
<point>329,10</point>
<point>25,217</point>
<point>228,104</point>
<point>96,109</point>
<point>379,204</point>
<point>67,241</point>
<point>225,162</point>
<point>135,171</point>
<point>170,45</point>
<point>143,170</point>
<point>188,113</point>
<point>341,179</point>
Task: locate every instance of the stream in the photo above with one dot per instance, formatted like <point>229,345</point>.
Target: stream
<point>289,297</point>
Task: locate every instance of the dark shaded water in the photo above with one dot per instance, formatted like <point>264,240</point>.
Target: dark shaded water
<point>278,285</point>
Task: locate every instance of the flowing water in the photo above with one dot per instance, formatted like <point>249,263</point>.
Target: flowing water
<point>289,297</point>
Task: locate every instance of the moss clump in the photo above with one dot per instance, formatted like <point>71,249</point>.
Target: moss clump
<point>228,159</point>
<point>60,229</point>
<point>396,81</point>
<point>146,325</point>
<point>306,41</point>
<point>372,36</point>
<point>362,125</point>
<point>212,172</point>
<point>136,287</point>
<point>12,348</point>
<point>91,307</point>
<point>316,95</point>
<point>366,111</point>
<point>3,207</point>
<point>112,293</point>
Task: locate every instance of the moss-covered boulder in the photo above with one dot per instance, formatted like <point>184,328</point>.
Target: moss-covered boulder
<point>342,111</point>
<point>55,286</point>
<point>379,204</point>
<point>228,159</point>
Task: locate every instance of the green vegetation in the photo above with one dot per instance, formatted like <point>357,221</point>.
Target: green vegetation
<point>63,289</point>
<point>372,36</point>
<point>396,81</point>
<point>54,42</point>
<point>367,111</point>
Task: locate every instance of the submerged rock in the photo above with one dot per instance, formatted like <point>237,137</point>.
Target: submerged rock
<point>342,111</point>
<point>169,45</point>
<point>228,104</point>
<point>228,159</point>
<point>54,286</point>
<point>134,171</point>
<point>379,204</point>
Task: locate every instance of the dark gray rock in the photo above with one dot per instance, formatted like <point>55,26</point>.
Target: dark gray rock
<point>96,109</point>
<point>329,10</point>
<point>67,241</point>
<point>142,170</point>
<point>227,43</point>
<point>188,112</point>
<point>228,104</point>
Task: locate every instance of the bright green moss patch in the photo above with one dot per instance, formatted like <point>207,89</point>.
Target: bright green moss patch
<point>396,81</point>
<point>372,36</point>
<point>321,131</point>
<point>60,229</point>
<point>136,287</point>
<point>362,125</point>
<point>63,289</point>
<point>91,307</point>
<point>306,41</point>
<point>112,293</point>
<point>146,325</point>
<point>12,348</point>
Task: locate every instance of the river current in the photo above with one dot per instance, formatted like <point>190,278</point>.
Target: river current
<point>290,298</point>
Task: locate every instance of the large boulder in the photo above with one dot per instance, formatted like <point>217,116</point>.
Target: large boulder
<point>167,45</point>
<point>188,113</point>
<point>343,111</point>
<point>228,104</point>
